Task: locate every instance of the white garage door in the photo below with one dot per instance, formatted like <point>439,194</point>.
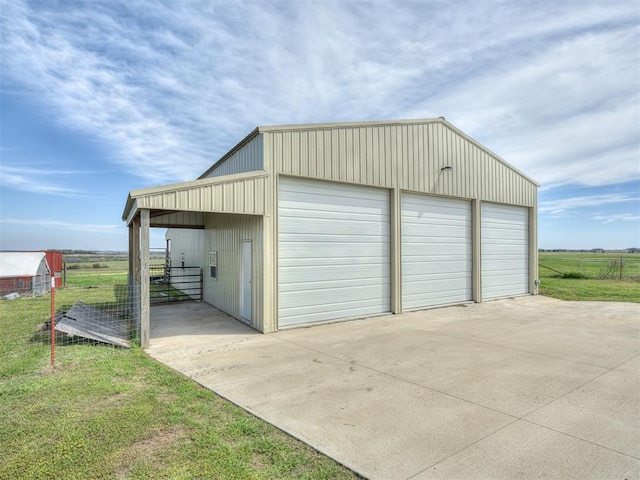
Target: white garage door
<point>436,251</point>
<point>505,250</point>
<point>333,251</point>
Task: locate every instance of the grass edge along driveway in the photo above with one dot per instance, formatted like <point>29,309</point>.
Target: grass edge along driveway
<point>110,413</point>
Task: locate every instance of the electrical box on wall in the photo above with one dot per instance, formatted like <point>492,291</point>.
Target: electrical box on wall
<point>213,265</point>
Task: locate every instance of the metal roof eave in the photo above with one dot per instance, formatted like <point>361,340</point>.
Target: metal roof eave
<point>143,195</point>
<point>254,133</point>
<point>494,155</point>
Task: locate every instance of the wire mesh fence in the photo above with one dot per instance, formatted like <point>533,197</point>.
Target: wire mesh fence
<point>36,332</point>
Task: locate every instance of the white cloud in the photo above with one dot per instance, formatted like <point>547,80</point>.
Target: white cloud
<point>34,180</point>
<point>60,225</point>
<point>618,217</point>
<point>550,86</point>
<point>566,205</point>
<point>569,114</point>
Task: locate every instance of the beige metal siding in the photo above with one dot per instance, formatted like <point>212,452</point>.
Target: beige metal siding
<point>247,158</point>
<point>270,244</point>
<point>223,234</point>
<point>353,155</point>
<point>178,219</point>
<point>406,155</point>
<point>533,250</point>
<point>236,194</point>
<point>187,245</point>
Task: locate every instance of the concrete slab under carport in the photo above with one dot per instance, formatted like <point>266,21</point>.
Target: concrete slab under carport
<point>530,387</point>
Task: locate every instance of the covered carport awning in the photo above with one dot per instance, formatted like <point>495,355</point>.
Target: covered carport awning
<point>184,205</point>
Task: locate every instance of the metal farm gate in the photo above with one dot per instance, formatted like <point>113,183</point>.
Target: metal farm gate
<point>175,284</point>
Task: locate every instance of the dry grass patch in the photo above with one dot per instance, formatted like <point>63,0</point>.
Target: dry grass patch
<point>149,449</point>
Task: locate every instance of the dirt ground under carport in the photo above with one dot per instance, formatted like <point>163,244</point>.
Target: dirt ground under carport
<point>529,387</point>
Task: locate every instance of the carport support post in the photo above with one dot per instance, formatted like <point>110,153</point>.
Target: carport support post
<point>144,278</point>
<point>134,271</point>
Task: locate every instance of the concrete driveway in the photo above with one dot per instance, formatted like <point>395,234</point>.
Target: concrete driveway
<point>523,388</point>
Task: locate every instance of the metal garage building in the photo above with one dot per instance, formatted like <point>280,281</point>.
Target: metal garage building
<point>310,223</point>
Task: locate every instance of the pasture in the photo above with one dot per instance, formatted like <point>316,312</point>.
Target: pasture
<point>590,276</point>
<point>107,412</point>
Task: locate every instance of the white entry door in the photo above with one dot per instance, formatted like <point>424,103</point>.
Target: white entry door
<point>245,281</point>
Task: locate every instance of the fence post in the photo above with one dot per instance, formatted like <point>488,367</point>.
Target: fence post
<point>201,287</point>
<point>53,323</point>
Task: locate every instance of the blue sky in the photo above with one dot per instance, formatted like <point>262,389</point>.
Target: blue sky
<point>101,97</point>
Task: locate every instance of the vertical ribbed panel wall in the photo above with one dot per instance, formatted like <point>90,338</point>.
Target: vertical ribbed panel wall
<point>186,244</point>
<point>223,234</point>
<point>408,156</point>
<point>248,158</point>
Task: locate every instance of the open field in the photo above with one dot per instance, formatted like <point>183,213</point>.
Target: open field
<point>111,272</point>
<point>590,276</point>
<point>106,412</point>
<point>564,275</point>
<point>93,278</point>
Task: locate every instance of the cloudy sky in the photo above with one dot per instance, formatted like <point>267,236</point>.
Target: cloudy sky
<point>101,97</point>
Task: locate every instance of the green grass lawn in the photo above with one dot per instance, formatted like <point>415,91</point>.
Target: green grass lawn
<point>108,413</point>
<point>85,275</point>
<point>589,276</point>
<point>110,273</point>
<point>105,412</point>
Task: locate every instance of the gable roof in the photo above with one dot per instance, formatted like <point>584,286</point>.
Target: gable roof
<point>322,126</point>
<point>20,264</point>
